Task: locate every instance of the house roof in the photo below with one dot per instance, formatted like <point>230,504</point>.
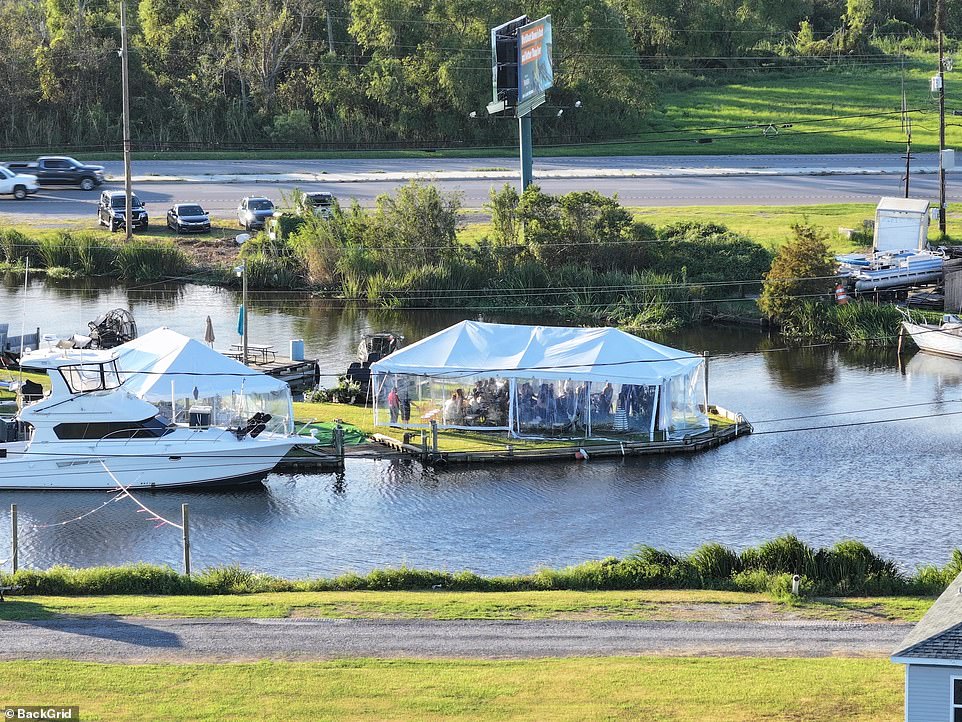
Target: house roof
<point>939,633</point>
<point>910,205</point>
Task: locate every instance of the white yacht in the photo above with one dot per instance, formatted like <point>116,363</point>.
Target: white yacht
<point>91,433</point>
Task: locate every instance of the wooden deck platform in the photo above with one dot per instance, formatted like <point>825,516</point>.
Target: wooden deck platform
<point>568,450</point>
<point>299,375</point>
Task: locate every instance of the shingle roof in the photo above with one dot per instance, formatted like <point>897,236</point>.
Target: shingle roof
<point>939,633</point>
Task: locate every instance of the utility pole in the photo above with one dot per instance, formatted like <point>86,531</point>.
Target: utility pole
<point>125,80</point>
<point>939,10</point>
<point>908,153</point>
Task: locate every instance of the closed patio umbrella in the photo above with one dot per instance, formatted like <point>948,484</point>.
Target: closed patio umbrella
<point>209,333</point>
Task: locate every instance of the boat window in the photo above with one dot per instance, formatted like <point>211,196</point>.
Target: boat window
<point>83,378</point>
<point>151,428</point>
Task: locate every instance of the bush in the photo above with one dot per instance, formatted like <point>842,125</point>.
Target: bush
<point>803,268</point>
<point>293,127</point>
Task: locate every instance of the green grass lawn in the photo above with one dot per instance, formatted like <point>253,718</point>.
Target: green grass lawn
<point>362,418</point>
<point>643,688</point>
<point>798,96</point>
<point>641,605</point>
<point>41,227</point>
<point>769,225</point>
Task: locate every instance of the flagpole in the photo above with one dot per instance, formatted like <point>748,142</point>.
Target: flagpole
<point>244,306</point>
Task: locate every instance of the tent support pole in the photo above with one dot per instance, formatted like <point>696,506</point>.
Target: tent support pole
<point>705,354</point>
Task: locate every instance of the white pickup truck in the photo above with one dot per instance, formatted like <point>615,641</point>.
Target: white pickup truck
<point>17,185</point>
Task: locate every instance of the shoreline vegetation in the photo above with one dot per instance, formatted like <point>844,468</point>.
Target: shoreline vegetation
<point>848,568</point>
<point>580,258</point>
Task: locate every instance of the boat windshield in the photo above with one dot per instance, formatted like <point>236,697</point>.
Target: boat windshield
<point>84,378</point>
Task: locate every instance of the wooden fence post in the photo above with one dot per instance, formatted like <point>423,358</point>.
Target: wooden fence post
<point>434,435</point>
<point>14,541</point>
<point>185,520</point>
<point>339,442</point>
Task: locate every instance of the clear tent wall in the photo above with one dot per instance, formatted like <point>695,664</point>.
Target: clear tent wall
<point>543,406</point>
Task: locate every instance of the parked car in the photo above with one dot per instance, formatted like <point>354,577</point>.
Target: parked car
<point>19,185</point>
<point>320,203</point>
<point>253,212</point>
<point>188,218</point>
<point>112,209</point>
<point>61,170</point>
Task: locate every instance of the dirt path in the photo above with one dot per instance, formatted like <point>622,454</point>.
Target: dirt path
<point>136,640</point>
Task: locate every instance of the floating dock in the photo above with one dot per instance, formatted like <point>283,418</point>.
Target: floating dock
<point>299,375</point>
<point>569,449</point>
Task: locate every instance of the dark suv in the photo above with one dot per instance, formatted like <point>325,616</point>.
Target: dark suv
<point>112,209</point>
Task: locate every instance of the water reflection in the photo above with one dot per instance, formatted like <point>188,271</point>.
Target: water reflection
<point>801,368</point>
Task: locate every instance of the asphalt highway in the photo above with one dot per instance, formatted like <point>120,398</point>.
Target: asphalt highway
<point>709,163</point>
<point>113,639</point>
<point>221,199</point>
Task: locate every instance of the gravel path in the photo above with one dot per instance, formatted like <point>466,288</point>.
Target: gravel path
<point>109,639</point>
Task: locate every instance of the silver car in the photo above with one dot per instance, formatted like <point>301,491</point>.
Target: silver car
<point>253,212</point>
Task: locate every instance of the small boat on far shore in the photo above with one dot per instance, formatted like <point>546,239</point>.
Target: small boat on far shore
<point>944,338</point>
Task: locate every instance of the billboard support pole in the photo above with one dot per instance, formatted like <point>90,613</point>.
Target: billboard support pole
<point>527,161</point>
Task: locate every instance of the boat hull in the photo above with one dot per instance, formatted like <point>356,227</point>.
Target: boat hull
<point>139,466</point>
<point>932,339</point>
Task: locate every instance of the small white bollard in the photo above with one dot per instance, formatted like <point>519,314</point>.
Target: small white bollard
<point>796,580</point>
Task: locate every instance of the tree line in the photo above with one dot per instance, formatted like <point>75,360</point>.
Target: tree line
<point>216,73</point>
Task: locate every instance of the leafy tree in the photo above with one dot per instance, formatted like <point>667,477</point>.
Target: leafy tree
<point>803,268</point>
<point>416,226</point>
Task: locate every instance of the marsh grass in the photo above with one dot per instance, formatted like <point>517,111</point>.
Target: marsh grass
<point>846,568</point>
<point>147,261</point>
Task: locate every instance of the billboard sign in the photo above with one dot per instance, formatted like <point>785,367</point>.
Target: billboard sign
<point>535,72</point>
<point>504,63</point>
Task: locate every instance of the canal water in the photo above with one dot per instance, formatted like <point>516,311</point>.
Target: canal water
<point>808,470</point>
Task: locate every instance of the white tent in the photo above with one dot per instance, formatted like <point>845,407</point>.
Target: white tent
<point>170,369</point>
<point>545,379</point>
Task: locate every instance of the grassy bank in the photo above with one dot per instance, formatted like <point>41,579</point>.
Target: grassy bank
<point>847,568</point>
<point>647,605</point>
<point>556,689</point>
<point>63,254</point>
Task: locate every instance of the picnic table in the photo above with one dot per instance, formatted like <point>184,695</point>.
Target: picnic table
<point>258,350</point>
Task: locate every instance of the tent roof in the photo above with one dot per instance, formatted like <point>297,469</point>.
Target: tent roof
<point>474,348</point>
<point>171,357</point>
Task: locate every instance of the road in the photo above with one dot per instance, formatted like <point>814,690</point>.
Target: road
<point>221,199</point>
<point>109,639</point>
<point>666,163</point>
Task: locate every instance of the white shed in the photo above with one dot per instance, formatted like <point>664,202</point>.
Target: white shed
<point>901,224</point>
<point>932,655</point>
